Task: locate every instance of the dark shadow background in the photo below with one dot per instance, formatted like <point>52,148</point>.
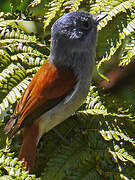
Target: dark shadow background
<point>5,6</point>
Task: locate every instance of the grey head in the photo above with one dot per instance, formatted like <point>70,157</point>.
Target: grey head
<point>73,33</point>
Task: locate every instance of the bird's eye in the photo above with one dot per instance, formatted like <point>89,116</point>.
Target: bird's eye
<point>86,25</point>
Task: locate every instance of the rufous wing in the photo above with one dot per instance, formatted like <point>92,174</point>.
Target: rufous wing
<point>49,85</point>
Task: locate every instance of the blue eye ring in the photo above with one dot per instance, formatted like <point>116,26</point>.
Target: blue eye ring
<point>86,25</point>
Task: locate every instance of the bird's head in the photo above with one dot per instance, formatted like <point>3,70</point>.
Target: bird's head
<point>75,30</point>
<point>73,33</point>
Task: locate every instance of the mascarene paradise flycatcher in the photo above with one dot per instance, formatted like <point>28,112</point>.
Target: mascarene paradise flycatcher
<point>60,86</point>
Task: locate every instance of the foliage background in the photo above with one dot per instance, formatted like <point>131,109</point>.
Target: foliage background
<point>102,131</point>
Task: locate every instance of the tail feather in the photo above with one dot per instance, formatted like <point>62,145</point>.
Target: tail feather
<point>28,148</point>
<point>9,125</point>
<point>12,127</point>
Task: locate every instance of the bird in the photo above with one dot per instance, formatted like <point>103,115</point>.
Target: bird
<point>60,86</point>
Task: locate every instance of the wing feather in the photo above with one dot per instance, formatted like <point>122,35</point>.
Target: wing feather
<point>49,85</point>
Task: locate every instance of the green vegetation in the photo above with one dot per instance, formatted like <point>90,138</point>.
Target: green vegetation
<point>102,131</point>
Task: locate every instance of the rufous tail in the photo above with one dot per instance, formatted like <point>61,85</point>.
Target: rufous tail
<point>28,148</point>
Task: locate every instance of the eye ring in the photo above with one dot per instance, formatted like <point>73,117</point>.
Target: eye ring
<point>86,25</point>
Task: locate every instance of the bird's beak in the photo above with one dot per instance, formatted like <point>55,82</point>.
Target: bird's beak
<point>100,17</point>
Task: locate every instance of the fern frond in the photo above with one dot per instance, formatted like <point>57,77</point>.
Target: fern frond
<point>93,100</point>
<point>127,31</point>
<point>38,8</point>
<point>103,6</point>
<point>12,167</point>
<point>122,7</point>
<point>117,135</point>
<point>19,5</point>
<point>122,154</point>
<point>18,48</point>
<point>66,159</point>
<point>10,76</point>
<point>129,47</point>
<point>75,160</point>
<point>95,106</point>
<point>14,4</point>
<point>127,58</point>
<point>30,59</point>
<point>87,173</point>
<point>13,95</point>
<point>24,53</point>
<point>113,7</point>
<point>102,131</point>
<point>4,59</point>
<point>54,8</point>
<point>130,28</point>
<point>72,5</point>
